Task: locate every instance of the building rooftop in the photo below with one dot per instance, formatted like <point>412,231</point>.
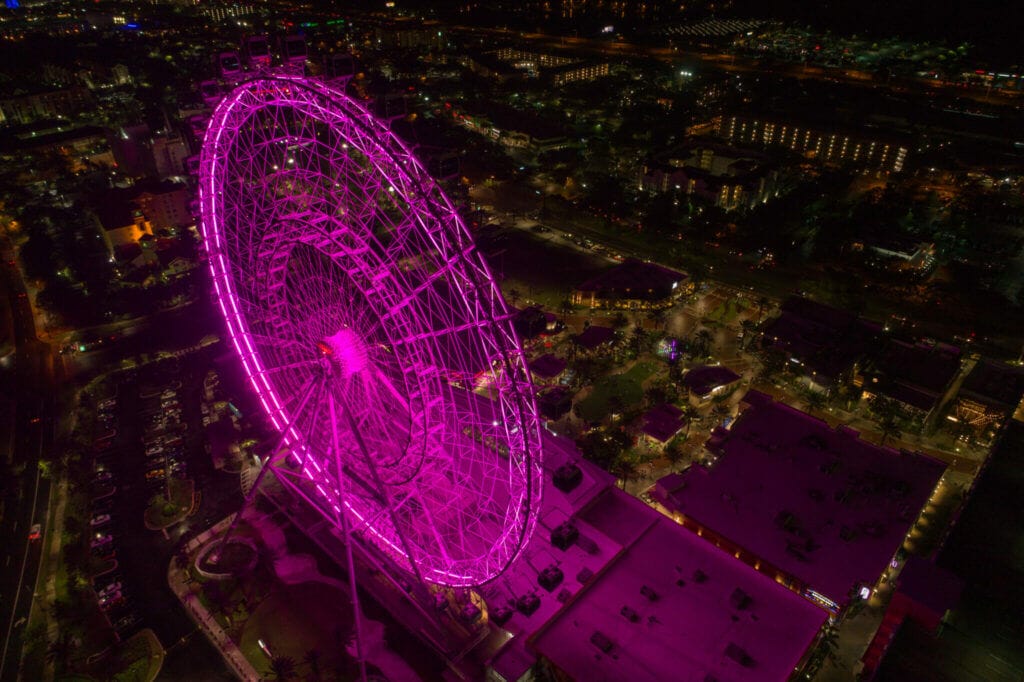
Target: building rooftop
<point>981,639</point>
<point>820,504</point>
<point>995,383</point>
<point>548,366</point>
<point>826,340</point>
<point>672,607</point>
<point>663,421</point>
<point>594,335</point>
<point>704,379</point>
<point>616,544</point>
<point>916,374</point>
<point>634,279</point>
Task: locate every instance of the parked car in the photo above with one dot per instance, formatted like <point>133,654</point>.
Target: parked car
<point>101,540</point>
<point>99,520</point>
<point>111,600</point>
<point>109,590</point>
<point>35,532</point>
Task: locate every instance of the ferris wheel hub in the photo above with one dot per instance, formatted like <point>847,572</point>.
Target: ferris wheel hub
<point>346,351</point>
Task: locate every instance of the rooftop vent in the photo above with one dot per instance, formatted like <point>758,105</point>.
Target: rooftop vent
<point>500,615</point>
<point>564,536</point>
<point>550,578</point>
<point>470,613</point>
<point>649,593</point>
<point>601,641</point>
<point>629,614</point>
<point>528,604</point>
<point>584,576</point>
<point>739,599</point>
<point>568,477</point>
<point>699,576</point>
<point>738,654</point>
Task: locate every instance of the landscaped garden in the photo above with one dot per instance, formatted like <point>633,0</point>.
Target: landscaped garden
<point>620,391</point>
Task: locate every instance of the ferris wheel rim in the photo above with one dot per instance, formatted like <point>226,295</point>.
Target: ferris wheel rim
<point>521,391</point>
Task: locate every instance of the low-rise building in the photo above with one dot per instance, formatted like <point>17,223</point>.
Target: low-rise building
<point>991,393</point>
<point>661,424</point>
<point>632,285</point>
<point>817,509</point>
<point>727,177</point>
<point>707,382</point>
<point>608,589</point>
<point>858,149</point>
<point>916,375</point>
<point>822,343</point>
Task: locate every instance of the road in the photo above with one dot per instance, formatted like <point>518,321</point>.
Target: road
<point>723,61</point>
<point>27,493</point>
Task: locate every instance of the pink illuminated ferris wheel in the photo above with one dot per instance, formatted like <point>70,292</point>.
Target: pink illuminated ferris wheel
<point>371,330</point>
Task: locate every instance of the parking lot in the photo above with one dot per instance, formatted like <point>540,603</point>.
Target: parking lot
<point>149,434</point>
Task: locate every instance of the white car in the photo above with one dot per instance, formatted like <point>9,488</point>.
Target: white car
<point>99,520</point>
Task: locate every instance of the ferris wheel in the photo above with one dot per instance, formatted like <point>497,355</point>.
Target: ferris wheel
<point>371,331</point>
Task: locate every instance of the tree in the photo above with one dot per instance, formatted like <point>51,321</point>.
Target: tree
<point>514,295</point>
<point>658,317</point>
<point>566,308</point>
<point>674,454</point>
<point>625,469</point>
<point>815,401</point>
<point>638,340</point>
<point>762,304</point>
<point>749,329</point>
<point>312,659</point>
<point>702,341</point>
<point>889,427</point>
<point>59,651</point>
<point>283,667</point>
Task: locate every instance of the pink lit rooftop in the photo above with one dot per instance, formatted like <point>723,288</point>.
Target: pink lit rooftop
<point>820,504</point>
<point>624,544</point>
<point>711,616</point>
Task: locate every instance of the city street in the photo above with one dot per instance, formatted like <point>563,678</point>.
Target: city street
<point>27,493</point>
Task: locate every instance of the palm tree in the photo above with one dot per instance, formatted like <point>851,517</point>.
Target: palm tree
<point>638,339</point>
<point>815,401</point>
<point>890,428</point>
<point>658,317</point>
<point>565,308</point>
<point>762,303</point>
<point>749,328</point>
<point>312,658</point>
<point>283,667</point>
<point>625,470</point>
<point>59,651</point>
<point>703,340</point>
<point>619,320</point>
<point>720,412</point>
<point>674,454</point>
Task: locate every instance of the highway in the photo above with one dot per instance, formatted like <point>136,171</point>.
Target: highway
<point>27,495</point>
<point>618,50</point>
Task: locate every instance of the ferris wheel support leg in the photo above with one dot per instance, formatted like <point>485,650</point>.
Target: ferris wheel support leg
<point>259,479</point>
<point>346,528</point>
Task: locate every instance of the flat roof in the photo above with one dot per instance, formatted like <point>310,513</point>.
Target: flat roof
<point>663,421</point>
<point>995,383</point>
<point>702,380</point>
<point>594,335</point>
<point>822,505</point>
<point>826,340</point>
<point>982,639</point>
<point>548,366</point>
<point>672,607</point>
<point>917,373</point>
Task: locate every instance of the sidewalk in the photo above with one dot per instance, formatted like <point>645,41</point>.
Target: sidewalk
<point>177,579</point>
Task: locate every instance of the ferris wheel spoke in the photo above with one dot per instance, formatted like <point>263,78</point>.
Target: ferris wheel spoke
<point>329,234</point>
